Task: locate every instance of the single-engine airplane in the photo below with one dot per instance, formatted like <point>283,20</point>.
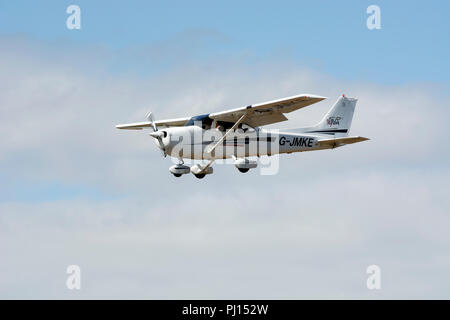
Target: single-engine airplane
<point>236,133</point>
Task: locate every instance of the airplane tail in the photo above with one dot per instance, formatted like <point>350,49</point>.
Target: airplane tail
<point>338,119</point>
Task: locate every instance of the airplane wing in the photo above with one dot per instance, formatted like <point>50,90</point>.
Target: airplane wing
<point>269,112</point>
<point>179,122</point>
<point>338,142</point>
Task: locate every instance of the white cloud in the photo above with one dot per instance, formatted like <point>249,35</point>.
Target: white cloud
<point>308,232</point>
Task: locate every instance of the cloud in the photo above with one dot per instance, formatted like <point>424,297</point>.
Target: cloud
<point>308,232</point>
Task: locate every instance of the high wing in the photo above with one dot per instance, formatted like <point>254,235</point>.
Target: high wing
<point>179,122</point>
<point>269,112</point>
<point>338,142</point>
<point>256,115</point>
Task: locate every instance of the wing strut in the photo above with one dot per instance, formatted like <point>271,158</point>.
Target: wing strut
<point>228,132</point>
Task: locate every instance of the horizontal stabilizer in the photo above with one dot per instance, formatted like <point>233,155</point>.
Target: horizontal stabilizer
<point>338,142</point>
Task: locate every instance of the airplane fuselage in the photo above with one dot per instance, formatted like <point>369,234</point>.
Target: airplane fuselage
<point>193,142</point>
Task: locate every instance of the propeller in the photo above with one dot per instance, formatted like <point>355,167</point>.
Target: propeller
<point>158,135</point>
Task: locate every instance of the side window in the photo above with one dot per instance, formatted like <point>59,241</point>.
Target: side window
<point>206,123</point>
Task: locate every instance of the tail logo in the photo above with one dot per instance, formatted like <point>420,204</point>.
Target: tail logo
<point>333,121</point>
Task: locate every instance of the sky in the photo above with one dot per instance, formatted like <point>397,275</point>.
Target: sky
<point>76,191</point>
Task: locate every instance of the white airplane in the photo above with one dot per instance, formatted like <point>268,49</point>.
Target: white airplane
<point>236,133</point>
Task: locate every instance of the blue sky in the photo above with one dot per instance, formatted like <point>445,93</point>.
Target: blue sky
<point>329,36</point>
<point>74,190</point>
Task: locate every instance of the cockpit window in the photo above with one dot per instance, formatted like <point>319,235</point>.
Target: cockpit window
<point>203,120</point>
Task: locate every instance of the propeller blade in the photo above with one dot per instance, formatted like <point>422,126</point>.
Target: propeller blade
<point>158,135</point>
<point>151,119</point>
<point>161,146</point>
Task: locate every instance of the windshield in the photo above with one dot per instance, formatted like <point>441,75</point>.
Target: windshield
<point>202,120</point>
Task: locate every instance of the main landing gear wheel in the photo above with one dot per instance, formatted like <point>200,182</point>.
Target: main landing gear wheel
<point>177,175</point>
<point>199,176</point>
<point>243,170</point>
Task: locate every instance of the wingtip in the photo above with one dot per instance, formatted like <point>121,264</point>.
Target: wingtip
<point>314,96</point>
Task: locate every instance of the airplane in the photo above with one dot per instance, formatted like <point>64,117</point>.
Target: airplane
<point>237,133</point>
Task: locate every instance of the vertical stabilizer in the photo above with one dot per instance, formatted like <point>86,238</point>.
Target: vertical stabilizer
<point>338,119</point>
